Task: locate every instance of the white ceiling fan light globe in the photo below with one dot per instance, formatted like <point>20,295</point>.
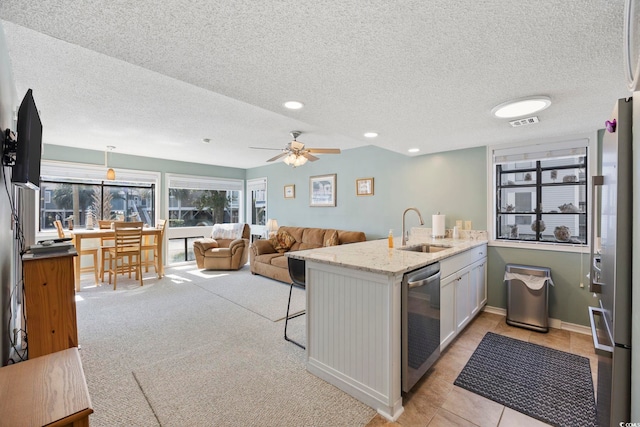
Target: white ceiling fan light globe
<point>289,159</point>
<point>301,160</point>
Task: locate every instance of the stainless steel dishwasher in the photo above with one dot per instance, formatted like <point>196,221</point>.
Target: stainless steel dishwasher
<point>420,323</point>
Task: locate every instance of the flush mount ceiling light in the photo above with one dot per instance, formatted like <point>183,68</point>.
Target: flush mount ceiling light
<point>370,134</point>
<point>413,150</point>
<point>521,107</point>
<point>293,105</point>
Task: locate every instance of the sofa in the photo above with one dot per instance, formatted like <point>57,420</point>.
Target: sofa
<point>225,249</point>
<point>267,256</point>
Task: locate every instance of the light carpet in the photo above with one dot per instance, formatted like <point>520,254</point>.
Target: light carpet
<point>175,353</point>
<point>248,384</point>
<point>258,294</point>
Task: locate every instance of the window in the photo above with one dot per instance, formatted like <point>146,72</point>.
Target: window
<point>540,193</point>
<point>80,192</point>
<point>257,201</point>
<point>197,201</point>
<point>195,204</point>
<point>104,200</point>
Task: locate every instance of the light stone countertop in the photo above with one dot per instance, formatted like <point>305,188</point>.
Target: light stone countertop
<point>376,257</point>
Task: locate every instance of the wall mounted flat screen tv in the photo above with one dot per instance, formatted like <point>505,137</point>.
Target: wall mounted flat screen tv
<point>26,171</point>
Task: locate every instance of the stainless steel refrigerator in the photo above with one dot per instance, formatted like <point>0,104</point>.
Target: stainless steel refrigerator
<point>611,268</point>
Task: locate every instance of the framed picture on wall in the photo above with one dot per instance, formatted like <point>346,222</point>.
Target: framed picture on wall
<point>290,191</point>
<point>322,190</point>
<point>364,187</point>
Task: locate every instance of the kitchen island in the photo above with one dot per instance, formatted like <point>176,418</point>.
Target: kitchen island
<point>354,310</point>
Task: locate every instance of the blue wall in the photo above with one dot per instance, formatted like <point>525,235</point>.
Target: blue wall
<point>453,183</point>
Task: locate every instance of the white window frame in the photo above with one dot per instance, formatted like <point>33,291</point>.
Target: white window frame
<point>257,184</point>
<point>589,141</point>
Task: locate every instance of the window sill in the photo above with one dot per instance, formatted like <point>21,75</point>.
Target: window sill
<point>553,247</point>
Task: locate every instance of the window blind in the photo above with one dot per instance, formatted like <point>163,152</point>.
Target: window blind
<point>88,174</point>
<point>541,152</point>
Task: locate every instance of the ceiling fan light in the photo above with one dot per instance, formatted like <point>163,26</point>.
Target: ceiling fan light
<point>289,159</point>
<point>299,161</point>
<point>295,160</point>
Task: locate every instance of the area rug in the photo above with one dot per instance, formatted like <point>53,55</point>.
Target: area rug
<point>550,385</point>
<point>261,295</point>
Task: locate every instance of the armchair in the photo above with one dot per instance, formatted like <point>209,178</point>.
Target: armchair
<point>226,249</point>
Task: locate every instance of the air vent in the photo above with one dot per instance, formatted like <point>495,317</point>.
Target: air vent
<point>523,122</point>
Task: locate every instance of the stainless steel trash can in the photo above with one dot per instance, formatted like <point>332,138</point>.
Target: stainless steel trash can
<point>527,308</point>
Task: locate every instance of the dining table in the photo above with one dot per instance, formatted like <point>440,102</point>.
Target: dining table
<point>82,234</point>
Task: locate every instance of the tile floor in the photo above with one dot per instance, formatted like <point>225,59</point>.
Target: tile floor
<point>436,402</point>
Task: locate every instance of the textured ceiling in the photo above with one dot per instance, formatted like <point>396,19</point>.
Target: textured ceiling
<point>154,79</point>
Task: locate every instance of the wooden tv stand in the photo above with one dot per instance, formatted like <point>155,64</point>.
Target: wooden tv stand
<point>50,302</point>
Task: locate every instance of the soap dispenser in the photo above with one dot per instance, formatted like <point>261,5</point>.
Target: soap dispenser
<point>390,238</point>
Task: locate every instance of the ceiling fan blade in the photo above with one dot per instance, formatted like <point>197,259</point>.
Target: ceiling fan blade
<point>324,150</point>
<point>277,157</point>
<point>309,156</point>
<point>265,148</point>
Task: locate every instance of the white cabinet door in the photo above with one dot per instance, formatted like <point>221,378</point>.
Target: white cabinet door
<point>473,291</point>
<point>463,299</point>
<point>478,286</point>
<point>447,310</point>
<point>463,292</point>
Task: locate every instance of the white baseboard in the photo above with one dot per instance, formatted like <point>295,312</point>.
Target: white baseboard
<point>495,310</point>
<point>554,323</point>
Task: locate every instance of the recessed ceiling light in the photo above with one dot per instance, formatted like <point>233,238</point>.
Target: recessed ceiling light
<point>370,134</point>
<point>293,105</point>
<point>521,107</point>
<point>206,140</point>
<point>413,150</point>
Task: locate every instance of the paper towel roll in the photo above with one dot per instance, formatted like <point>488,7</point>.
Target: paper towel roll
<point>437,228</point>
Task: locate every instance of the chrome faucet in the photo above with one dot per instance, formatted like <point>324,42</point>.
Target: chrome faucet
<point>404,238</point>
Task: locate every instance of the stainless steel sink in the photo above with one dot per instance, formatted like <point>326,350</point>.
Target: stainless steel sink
<point>424,248</point>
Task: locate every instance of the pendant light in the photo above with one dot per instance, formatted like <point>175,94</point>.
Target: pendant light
<point>111,174</point>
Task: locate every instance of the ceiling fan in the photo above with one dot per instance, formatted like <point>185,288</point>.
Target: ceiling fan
<point>295,154</point>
